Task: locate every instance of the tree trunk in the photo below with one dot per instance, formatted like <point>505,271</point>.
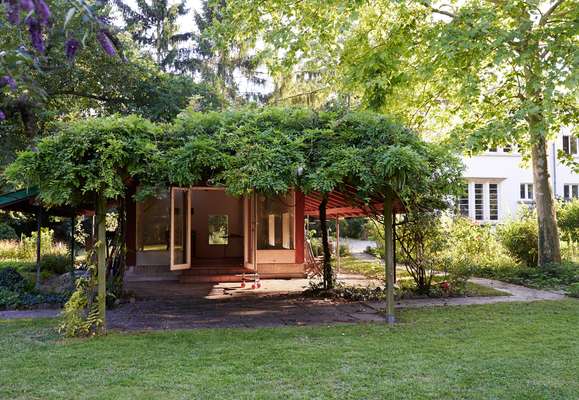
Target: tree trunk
<point>328,275</point>
<point>549,250</point>
<point>549,246</point>
<point>101,258</point>
<point>389,255</point>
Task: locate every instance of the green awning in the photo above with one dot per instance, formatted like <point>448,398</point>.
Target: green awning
<point>24,200</point>
<point>18,197</point>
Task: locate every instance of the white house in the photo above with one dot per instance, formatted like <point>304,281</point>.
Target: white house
<point>499,181</point>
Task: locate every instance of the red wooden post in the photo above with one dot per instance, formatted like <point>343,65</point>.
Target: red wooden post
<point>130,228</point>
<point>299,226</point>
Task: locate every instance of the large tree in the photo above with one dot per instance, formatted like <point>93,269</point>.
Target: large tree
<point>227,66</point>
<point>154,25</point>
<point>487,72</point>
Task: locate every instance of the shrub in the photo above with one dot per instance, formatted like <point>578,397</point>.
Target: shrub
<point>10,279</point>
<point>474,243</point>
<point>421,239</point>
<point>568,220</point>
<point>344,250</point>
<point>520,239</point>
<point>573,290</point>
<point>459,272</point>
<point>56,264</point>
<point>9,298</point>
<point>7,232</point>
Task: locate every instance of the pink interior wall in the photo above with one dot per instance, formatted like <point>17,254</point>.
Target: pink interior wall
<point>216,202</point>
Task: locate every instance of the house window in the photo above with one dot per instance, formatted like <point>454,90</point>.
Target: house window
<point>275,222</point>
<point>527,191</point>
<point>218,227</point>
<point>507,149</point>
<point>478,201</point>
<point>463,202</point>
<point>571,191</point>
<point>153,223</point>
<point>570,144</point>
<point>493,201</point>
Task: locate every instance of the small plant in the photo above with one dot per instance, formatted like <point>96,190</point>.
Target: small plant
<point>80,316</point>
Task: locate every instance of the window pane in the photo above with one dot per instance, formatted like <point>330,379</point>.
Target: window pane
<point>523,191</point>
<point>275,222</point>
<point>463,202</point>
<point>530,191</point>
<point>493,201</point>
<point>218,229</point>
<point>573,144</point>
<point>566,191</point>
<point>180,227</point>
<point>507,149</point>
<point>566,144</point>
<point>153,224</point>
<point>478,201</point>
<point>575,193</point>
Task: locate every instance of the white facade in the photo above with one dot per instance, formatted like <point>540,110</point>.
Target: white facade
<point>499,181</point>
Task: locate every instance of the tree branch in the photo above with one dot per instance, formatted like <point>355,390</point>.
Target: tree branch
<point>87,96</point>
<point>436,10</point>
<point>550,11</point>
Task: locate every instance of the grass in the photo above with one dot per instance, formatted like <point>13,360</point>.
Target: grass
<point>370,269</point>
<point>502,351</point>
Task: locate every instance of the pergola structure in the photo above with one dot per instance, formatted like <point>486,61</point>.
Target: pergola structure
<point>25,201</point>
<point>346,204</point>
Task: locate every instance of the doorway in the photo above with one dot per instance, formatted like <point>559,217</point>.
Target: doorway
<point>207,228</point>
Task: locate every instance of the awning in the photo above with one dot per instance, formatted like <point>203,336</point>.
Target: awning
<point>24,200</point>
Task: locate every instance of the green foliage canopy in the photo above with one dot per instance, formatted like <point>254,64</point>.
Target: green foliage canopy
<point>268,150</point>
<point>90,157</point>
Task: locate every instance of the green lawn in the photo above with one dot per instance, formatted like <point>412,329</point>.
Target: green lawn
<point>502,351</point>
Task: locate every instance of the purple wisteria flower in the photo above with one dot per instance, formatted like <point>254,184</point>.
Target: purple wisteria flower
<point>13,11</point>
<point>27,5</point>
<point>35,30</point>
<point>7,80</point>
<point>106,43</point>
<point>42,10</point>
<point>2,115</point>
<point>71,47</point>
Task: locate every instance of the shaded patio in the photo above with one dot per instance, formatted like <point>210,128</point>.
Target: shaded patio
<point>174,305</point>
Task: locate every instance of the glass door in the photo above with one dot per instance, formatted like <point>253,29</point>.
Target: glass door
<point>180,228</point>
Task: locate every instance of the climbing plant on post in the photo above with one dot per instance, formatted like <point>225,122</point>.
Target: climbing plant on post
<point>389,254</point>
<point>85,165</point>
<point>101,215</point>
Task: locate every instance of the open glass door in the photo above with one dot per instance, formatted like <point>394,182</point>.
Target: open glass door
<point>180,229</point>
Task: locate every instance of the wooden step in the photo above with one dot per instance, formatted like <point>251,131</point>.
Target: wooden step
<point>214,278</point>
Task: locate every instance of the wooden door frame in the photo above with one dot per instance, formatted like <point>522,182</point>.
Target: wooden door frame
<point>187,265</point>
